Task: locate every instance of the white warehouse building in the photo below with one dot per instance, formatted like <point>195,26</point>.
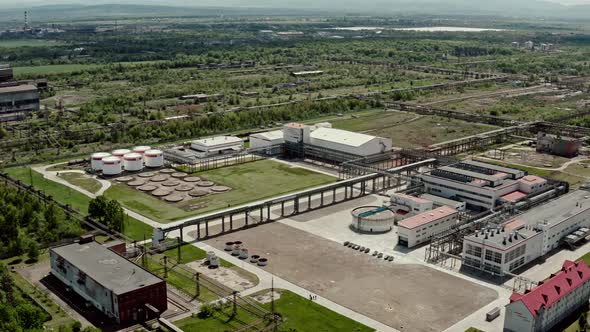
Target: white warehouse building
<point>217,145</point>
<point>266,140</point>
<point>420,228</point>
<point>529,236</point>
<point>349,142</point>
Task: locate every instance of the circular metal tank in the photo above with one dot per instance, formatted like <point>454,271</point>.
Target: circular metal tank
<point>372,219</point>
<point>96,160</point>
<point>133,162</point>
<point>120,152</point>
<point>141,149</point>
<point>112,166</point>
<point>154,158</point>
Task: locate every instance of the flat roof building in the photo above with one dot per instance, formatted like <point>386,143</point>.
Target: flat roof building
<point>267,140</point>
<point>17,101</point>
<point>117,287</point>
<point>420,228</point>
<point>217,145</point>
<point>549,303</point>
<point>481,185</point>
<point>5,73</point>
<point>349,142</point>
<point>528,236</point>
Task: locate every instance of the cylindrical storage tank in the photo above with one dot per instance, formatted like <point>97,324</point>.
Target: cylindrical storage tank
<point>133,162</point>
<point>372,219</point>
<point>244,253</point>
<point>214,262</point>
<point>237,250</point>
<point>210,255</point>
<point>112,166</point>
<point>96,160</point>
<point>120,152</point>
<point>141,149</point>
<point>254,258</point>
<point>229,246</point>
<point>262,262</point>
<point>153,158</point>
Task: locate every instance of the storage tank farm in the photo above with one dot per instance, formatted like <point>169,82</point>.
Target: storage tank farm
<point>96,160</point>
<point>141,149</point>
<point>120,152</point>
<point>133,162</point>
<point>153,158</point>
<point>112,166</point>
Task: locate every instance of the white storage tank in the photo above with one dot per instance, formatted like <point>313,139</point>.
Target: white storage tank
<point>96,160</point>
<point>120,152</point>
<point>141,149</point>
<point>153,158</point>
<point>112,166</point>
<point>133,161</point>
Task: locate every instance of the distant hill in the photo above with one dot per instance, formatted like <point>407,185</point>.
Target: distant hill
<point>511,8</point>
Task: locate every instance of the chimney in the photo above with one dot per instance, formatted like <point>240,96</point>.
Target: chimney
<point>504,241</point>
<point>486,236</point>
<point>510,238</point>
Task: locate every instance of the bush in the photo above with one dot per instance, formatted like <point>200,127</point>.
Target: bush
<point>206,311</point>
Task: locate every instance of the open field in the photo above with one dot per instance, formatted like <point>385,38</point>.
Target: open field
<point>82,180</point>
<point>407,299</point>
<point>299,314</point>
<point>8,43</point>
<point>248,182</point>
<point>51,69</point>
<point>135,229</point>
<point>409,130</point>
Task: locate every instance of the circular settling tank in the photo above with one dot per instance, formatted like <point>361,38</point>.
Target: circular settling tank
<point>372,219</point>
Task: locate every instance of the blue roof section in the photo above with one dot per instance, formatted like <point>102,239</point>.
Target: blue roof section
<point>372,212</point>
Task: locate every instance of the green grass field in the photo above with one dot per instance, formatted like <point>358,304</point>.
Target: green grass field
<point>249,182</point>
<point>87,183</point>
<point>14,43</point>
<point>51,69</point>
<point>299,314</point>
<point>406,130</point>
<point>135,229</point>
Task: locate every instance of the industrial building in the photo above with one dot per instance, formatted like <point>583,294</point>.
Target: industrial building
<point>480,185</point>
<point>112,284</point>
<point>406,206</point>
<point>268,140</point>
<point>441,201</point>
<point>5,73</point>
<point>528,236</point>
<point>558,145</point>
<point>420,228</point>
<point>17,101</point>
<point>217,145</point>
<point>553,300</point>
<point>349,142</point>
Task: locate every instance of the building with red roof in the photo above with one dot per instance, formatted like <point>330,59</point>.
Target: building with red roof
<point>546,305</point>
<point>420,228</point>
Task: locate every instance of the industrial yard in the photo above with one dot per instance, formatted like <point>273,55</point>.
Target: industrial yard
<point>265,169</point>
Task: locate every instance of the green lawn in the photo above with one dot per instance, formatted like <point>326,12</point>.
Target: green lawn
<point>249,182</point>
<point>51,69</point>
<point>14,43</point>
<point>299,314</point>
<point>425,131</point>
<point>135,229</point>
<point>83,181</point>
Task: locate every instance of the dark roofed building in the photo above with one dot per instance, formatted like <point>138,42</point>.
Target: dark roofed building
<point>111,283</point>
<point>16,101</point>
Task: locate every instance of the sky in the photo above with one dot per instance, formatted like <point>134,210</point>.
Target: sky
<point>216,3</point>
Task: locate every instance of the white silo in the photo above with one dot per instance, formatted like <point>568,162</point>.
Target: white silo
<point>112,166</point>
<point>96,160</point>
<point>120,152</point>
<point>141,149</point>
<point>153,158</point>
<point>133,161</point>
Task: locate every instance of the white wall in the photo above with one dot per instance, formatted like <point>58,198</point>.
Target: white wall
<point>518,318</point>
<point>374,146</point>
<point>423,233</point>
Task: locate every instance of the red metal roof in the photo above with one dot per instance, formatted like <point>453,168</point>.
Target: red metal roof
<point>514,196</point>
<point>513,224</point>
<point>571,276</point>
<point>413,198</point>
<point>427,217</point>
